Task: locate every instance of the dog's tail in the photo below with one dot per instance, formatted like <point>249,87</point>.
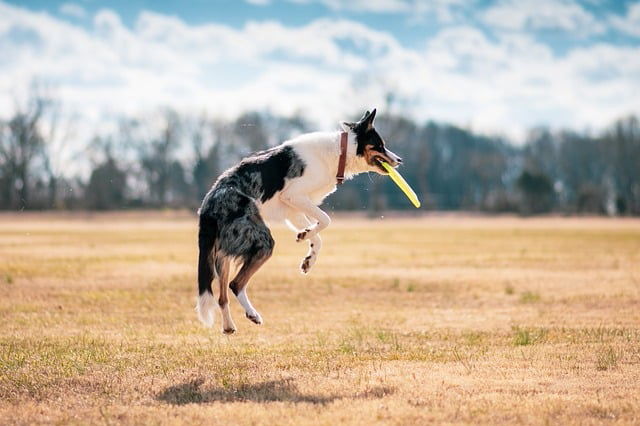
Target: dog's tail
<point>207,236</point>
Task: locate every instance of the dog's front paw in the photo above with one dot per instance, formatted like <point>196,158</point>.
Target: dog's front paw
<point>307,263</point>
<point>305,266</point>
<point>303,235</point>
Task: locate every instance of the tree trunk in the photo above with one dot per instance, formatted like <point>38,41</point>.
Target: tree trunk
<point>53,192</point>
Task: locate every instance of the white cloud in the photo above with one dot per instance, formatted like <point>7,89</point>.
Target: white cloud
<point>328,69</point>
<point>258,2</point>
<point>73,9</point>
<point>377,6</point>
<point>517,82</point>
<point>564,15</point>
<point>443,10</point>
<point>629,24</point>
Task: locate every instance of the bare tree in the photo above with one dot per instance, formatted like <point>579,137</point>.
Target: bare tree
<point>107,186</point>
<point>56,152</point>
<point>250,133</point>
<point>582,168</point>
<point>622,148</point>
<point>156,142</point>
<point>205,143</point>
<point>21,145</point>
<point>541,152</point>
<point>537,193</point>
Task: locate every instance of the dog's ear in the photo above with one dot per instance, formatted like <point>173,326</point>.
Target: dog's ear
<point>347,126</point>
<point>369,120</point>
<point>366,122</point>
<point>364,117</point>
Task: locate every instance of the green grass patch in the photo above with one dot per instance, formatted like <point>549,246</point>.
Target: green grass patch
<point>607,358</point>
<point>528,336</point>
<point>529,297</point>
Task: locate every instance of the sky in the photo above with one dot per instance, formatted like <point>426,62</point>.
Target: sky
<point>496,67</point>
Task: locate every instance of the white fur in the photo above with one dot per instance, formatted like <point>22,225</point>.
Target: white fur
<point>248,307</point>
<point>300,221</point>
<point>227,322</point>
<point>205,307</point>
<point>320,151</point>
<point>298,201</point>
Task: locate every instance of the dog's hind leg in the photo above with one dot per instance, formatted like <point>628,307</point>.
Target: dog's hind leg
<point>259,255</point>
<point>299,222</point>
<point>222,268</point>
<point>239,284</point>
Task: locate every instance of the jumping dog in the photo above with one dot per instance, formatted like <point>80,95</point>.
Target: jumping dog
<point>284,183</point>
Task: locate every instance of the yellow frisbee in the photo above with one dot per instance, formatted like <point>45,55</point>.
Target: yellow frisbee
<point>402,184</point>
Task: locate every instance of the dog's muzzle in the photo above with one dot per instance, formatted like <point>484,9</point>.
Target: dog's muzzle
<point>394,160</point>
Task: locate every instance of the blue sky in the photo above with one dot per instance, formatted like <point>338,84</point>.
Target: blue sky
<point>495,66</point>
<point>403,25</point>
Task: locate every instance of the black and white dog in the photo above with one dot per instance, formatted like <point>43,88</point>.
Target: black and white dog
<point>284,183</point>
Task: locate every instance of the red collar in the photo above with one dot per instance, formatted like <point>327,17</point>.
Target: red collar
<point>343,158</point>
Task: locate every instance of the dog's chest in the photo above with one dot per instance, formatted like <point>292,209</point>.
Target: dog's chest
<point>273,210</point>
<point>319,195</point>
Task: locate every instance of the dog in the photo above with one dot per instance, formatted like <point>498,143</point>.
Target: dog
<point>285,183</point>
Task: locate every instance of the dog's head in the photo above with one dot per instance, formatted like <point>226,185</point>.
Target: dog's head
<point>371,146</point>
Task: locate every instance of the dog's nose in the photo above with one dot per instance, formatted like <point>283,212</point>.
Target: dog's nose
<point>399,160</point>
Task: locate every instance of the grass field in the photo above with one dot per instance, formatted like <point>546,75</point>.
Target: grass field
<point>405,321</point>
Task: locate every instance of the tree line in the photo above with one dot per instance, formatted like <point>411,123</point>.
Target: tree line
<point>170,160</point>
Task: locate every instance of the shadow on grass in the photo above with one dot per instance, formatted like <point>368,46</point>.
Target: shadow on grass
<point>283,390</point>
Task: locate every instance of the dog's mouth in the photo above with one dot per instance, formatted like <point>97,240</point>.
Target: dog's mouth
<point>378,159</point>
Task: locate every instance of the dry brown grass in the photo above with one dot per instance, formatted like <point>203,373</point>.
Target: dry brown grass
<point>407,321</point>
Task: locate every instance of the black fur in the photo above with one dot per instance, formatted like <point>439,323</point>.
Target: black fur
<point>366,134</point>
<point>230,223</point>
<point>273,166</point>
<point>206,240</point>
<point>369,137</point>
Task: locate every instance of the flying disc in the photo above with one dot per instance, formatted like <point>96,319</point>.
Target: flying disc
<point>402,184</point>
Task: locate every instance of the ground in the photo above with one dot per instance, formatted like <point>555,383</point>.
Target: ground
<point>404,321</point>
